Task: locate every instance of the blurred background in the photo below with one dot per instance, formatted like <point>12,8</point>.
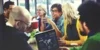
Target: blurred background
<point>31,5</point>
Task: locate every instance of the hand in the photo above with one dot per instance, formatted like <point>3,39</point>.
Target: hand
<point>29,29</point>
<point>62,42</point>
<point>44,20</point>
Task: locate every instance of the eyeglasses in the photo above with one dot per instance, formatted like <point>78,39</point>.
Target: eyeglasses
<point>54,10</point>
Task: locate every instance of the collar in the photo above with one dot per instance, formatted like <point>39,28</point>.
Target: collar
<point>27,34</point>
<point>8,24</point>
<point>59,20</point>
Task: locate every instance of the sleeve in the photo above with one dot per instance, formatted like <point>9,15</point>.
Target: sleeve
<point>91,44</point>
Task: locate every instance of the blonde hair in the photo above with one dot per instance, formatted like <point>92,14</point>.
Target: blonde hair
<point>43,8</point>
<point>69,14</point>
<point>19,13</point>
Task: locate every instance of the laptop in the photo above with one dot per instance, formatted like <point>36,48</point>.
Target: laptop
<point>47,40</point>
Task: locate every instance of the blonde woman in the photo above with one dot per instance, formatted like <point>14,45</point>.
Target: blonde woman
<point>41,14</point>
<point>72,27</point>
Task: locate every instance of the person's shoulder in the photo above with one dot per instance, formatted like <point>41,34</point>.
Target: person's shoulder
<point>62,19</point>
<point>92,43</point>
<point>13,31</point>
<point>8,28</point>
<point>95,37</point>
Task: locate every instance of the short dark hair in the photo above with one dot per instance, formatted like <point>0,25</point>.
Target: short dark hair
<point>58,6</point>
<point>90,13</point>
<point>7,4</point>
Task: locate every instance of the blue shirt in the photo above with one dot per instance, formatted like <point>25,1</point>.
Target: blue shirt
<point>59,23</point>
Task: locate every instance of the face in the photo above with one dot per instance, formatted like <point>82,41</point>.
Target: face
<point>55,13</point>
<point>40,12</point>
<point>9,9</point>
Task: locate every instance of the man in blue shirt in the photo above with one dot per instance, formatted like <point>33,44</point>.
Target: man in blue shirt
<point>56,11</point>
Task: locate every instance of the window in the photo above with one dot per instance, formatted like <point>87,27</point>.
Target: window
<point>15,2</point>
<point>5,1</point>
<point>32,7</point>
<point>77,3</point>
<point>21,3</point>
<point>42,2</point>
<point>47,3</point>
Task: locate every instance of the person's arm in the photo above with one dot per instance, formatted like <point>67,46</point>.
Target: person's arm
<point>64,42</point>
<point>42,25</point>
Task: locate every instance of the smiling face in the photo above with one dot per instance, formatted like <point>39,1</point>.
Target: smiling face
<point>41,11</point>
